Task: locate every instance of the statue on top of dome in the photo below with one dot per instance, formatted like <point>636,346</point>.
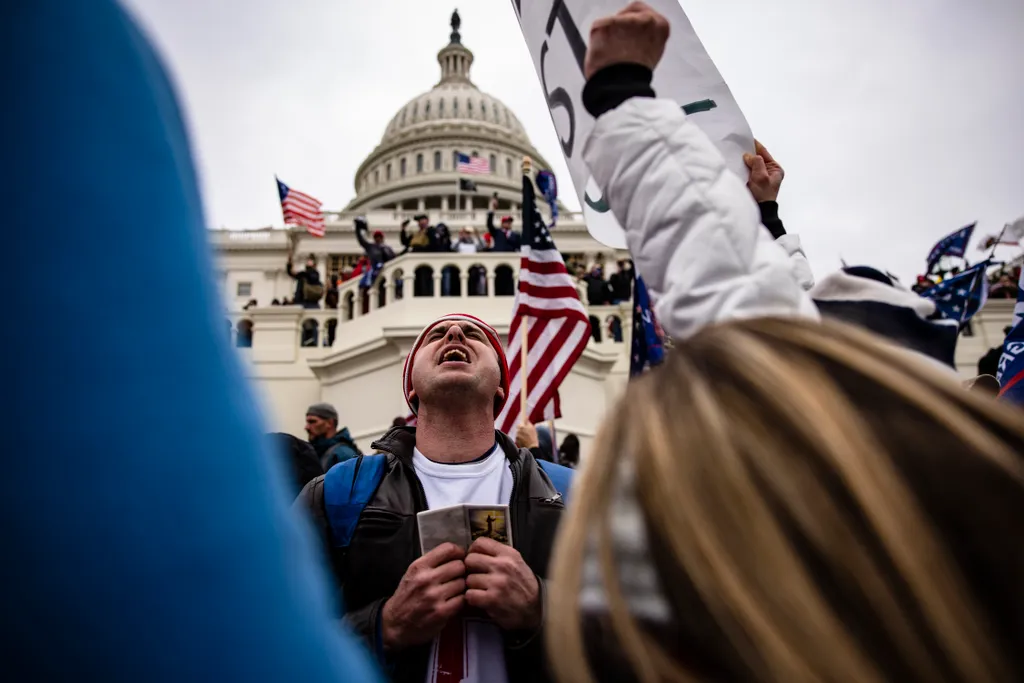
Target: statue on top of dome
<point>456,24</point>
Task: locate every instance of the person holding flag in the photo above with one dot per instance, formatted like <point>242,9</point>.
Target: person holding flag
<point>550,327</point>
<point>953,244</point>
<point>1011,364</point>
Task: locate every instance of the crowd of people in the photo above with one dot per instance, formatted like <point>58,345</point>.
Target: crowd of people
<point>802,491</point>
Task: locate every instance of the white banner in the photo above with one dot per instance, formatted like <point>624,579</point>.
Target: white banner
<point>556,32</point>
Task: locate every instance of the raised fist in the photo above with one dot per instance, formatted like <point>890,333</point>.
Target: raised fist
<point>636,35</point>
<point>360,222</point>
<point>766,174</point>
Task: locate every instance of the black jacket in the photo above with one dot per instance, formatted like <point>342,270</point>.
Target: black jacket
<point>386,542</point>
<point>377,253</point>
<point>510,241</point>
<point>306,275</point>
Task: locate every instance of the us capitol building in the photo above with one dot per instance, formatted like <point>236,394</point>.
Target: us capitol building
<point>352,356</point>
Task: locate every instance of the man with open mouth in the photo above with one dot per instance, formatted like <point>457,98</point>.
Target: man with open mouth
<point>449,615</point>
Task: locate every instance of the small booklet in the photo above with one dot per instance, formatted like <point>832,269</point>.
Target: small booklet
<point>463,524</point>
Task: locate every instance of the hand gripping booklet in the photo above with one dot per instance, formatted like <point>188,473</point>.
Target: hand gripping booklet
<point>463,524</point>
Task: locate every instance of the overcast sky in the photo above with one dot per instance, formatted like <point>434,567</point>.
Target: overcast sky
<point>896,122</point>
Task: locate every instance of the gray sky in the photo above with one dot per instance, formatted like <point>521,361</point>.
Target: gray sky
<point>896,122</point>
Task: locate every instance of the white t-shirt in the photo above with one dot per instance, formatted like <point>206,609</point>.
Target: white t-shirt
<point>468,650</point>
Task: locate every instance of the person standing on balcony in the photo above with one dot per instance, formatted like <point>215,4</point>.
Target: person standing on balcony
<point>308,288</point>
<point>377,251</point>
<point>331,444</point>
<point>425,239</point>
<point>410,606</point>
<point>622,282</point>
<point>468,242</point>
<point>505,238</point>
<point>599,292</point>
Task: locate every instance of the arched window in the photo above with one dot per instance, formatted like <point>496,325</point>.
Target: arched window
<point>419,163</point>
<point>401,167</point>
<point>243,336</point>
<point>504,281</point>
<point>508,167</point>
<point>426,109</point>
<point>424,282</point>
<point>398,281</point>
<point>440,107</point>
<point>483,109</point>
<point>469,108</point>
<point>387,172</point>
<point>437,161</point>
<point>455,106</point>
<point>451,281</point>
<point>476,282</point>
<point>330,331</point>
<point>493,163</point>
<point>349,306</point>
<point>376,177</point>
<point>310,332</point>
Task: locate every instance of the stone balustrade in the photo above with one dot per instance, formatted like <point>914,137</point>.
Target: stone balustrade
<point>414,289</point>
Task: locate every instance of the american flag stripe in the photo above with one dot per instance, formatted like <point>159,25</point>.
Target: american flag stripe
<point>558,327</point>
<point>301,209</point>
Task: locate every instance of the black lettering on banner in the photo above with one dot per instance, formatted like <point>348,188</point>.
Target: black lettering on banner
<point>560,13</point>
<point>559,97</point>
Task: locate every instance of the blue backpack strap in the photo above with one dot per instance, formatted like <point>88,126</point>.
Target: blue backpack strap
<point>348,487</point>
<point>560,476</point>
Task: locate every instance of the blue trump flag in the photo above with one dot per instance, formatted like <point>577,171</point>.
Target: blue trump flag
<point>954,244</point>
<point>1011,363</point>
<point>960,297</point>
<point>648,349</point>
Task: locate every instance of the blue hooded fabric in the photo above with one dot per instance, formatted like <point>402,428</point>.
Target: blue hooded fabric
<point>148,534</point>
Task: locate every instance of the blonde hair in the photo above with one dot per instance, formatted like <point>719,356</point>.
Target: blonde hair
<point>778,468</point>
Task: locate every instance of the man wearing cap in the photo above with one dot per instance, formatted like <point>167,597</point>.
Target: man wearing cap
<point>448,615</point>
<point>376,251</point>
<point>331,444</point>
<point>505,239</point>
<point>425,238</point>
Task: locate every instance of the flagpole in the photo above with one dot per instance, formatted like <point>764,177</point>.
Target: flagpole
<point>554,441</point>
<point>999,239</point>
<point>524,352</point>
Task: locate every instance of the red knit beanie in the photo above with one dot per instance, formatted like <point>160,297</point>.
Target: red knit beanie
<point>492,337</point>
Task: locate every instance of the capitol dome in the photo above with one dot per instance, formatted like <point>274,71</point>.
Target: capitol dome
<point>414,165</point>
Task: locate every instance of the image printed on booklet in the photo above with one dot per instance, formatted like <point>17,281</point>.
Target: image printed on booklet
<point>462,524</point>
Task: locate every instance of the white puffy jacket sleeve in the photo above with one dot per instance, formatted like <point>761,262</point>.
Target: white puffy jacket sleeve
<point>691,225</point>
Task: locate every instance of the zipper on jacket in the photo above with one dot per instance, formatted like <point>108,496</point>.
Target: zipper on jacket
<point>513,508</point>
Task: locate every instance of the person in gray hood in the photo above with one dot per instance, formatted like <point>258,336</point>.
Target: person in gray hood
<point>332,445</point>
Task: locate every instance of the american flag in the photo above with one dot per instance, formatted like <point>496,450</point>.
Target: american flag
<point>301,209</point>
<point>558,326</point>
<point>472,165</point>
